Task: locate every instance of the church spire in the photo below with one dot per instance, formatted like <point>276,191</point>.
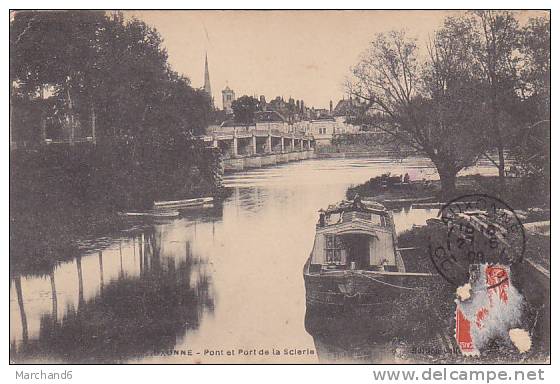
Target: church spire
<point>207,88</point>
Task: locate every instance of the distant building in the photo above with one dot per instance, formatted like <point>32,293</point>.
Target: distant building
<point>323,130</point>
<point>324,124</point>
<point>228,96</point>
<point>270,120</point>
<point>321,112</point>
<point>264,121</point>
<point>207,87</point>
<point>290,110</point>
<point>345,112</point>
<point>294,116</point>
<point>279,105</point>
<point>349,108</point>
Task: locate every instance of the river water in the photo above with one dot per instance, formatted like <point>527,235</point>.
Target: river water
<point>220,285</point>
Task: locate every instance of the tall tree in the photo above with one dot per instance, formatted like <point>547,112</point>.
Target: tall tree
<point>532,149</point>
<point>244,109</point>
<point>115,72</point>
<point>428,105</point>
<point>496,44</point>
<point>53,49</point>
<point>93,59</point>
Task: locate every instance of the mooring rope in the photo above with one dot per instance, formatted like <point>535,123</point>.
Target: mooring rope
<point>389,284</point>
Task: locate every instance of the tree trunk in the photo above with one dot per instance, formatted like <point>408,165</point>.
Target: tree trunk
<point>501,169</point>
<point>93,128</point>
<point>24,331</point>
<point>54,298</point>
<point>448,177</point>
<point>141,252</point>
<point>496,128</point>
<point>121,274</point>
<point>10,122</point>
<point>80,283</point>
<point>101,283</point>
<point>71,119</point>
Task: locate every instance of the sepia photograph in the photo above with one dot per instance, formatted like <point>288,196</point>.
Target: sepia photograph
<point>279,187</point>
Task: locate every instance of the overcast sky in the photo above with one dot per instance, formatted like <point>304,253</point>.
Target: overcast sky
<point>304,54</point>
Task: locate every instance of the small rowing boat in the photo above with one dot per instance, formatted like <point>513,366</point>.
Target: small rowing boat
<point>151,214</point>
<point>187,203</point>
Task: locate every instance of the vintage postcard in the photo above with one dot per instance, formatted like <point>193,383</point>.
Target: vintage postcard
<point>268,186</point>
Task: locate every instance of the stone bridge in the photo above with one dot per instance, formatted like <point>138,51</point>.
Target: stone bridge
<point>245,148</point>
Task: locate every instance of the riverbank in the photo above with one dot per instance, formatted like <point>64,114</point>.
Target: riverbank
<point>520,193</point>
<point>531,276</point>
<point>525,276</point>
<point>364,144</point>
<point>61,193</point>
<point>358,154</point>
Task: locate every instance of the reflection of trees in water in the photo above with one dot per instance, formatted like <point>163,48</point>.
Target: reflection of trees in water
<point>54,315</point>
<point>348,337</point>
<point>131,317</point>
<point>384,334</point>
<point>249,199</point>
<point>19,294</point>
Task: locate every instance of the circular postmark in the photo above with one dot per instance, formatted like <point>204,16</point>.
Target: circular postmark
<point>476,229</point>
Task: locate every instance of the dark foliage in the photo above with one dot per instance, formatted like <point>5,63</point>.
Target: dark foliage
<point>114,75</point>
<point>73,73</point>
<point>244,109</point>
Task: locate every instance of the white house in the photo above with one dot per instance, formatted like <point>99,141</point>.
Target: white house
<point>323,130</point>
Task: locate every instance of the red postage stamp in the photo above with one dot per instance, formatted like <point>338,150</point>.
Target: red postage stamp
<point>476,317</point>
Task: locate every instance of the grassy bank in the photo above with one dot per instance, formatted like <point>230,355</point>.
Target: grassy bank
<point>520,193</point>
<point>440,301</point>
<point>59,195</point>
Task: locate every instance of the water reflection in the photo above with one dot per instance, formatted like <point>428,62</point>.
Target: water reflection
<point>137,297</point>
<point>227,278</point>
<point>365,346</point>
<point>410,330</point>
<point>349,339</point>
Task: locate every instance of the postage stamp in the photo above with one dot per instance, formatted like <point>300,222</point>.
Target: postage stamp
<point>483,238</point>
